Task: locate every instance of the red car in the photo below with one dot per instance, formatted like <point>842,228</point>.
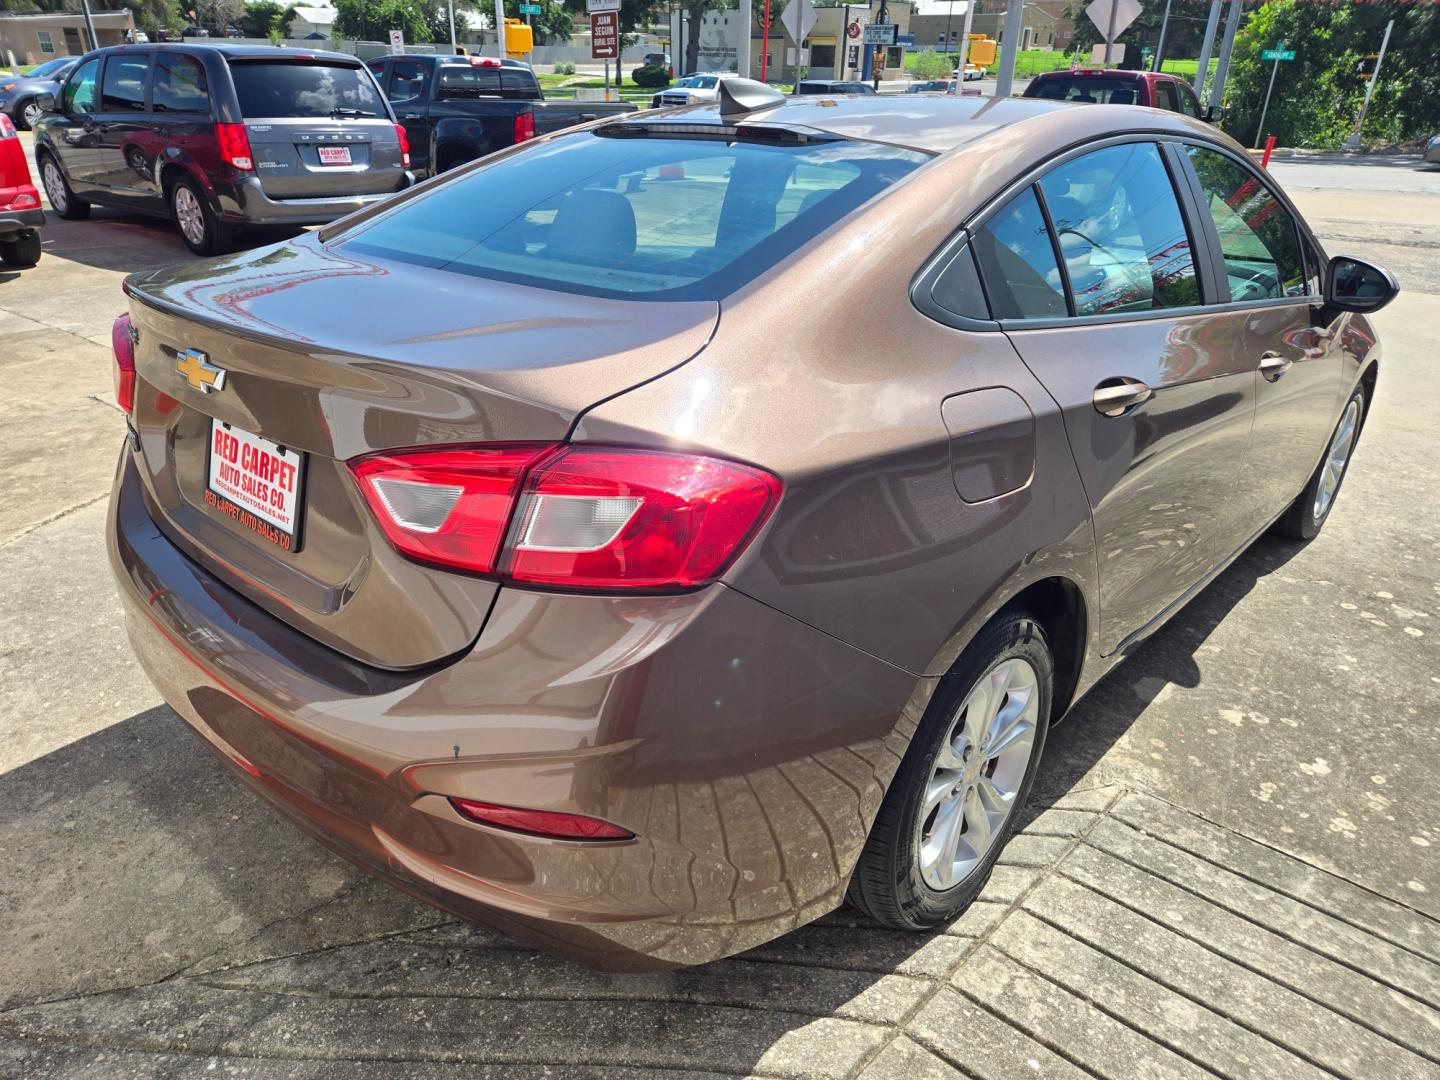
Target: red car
<point>20,213</point>
<point>1111,86</point>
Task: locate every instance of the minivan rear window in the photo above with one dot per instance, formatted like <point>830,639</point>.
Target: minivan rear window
<point>1104,91</point>
<point>649,218</point>
<point>274,89</point>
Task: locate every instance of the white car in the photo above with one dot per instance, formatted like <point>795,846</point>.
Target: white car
<point>702,86</point>
<point>972,72</point>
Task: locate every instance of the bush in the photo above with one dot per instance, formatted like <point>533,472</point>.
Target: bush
<point>564,69</point>
<point>650,76</point>
<point>934,65</point>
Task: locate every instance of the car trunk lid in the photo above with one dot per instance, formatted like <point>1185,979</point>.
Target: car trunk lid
<point>330,356</point>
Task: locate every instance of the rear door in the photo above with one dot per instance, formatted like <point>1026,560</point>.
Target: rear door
<point>1271,274</point>
<point>318,129</point>
<point>407,85</point>
<point>1095,274</point>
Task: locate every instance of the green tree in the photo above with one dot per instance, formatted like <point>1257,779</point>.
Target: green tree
<point>371,20</point>
<point>259,18</point>
<point>1318,94</point>
<point>635,15</point>
<point>554,23</point>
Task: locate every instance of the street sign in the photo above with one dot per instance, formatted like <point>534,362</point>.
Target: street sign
<point>605,35</point>
<point>1111,17</point>
<point>853,30</point>
<point>592,6</point>
<point>1277,54</point>
<point>798,18</point>
<point>530,9</point>
<point>397,42</point>
<point>881,33</point>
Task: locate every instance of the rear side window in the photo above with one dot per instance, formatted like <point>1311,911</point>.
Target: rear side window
<point>1258,238</point>
<point>636,217</point>
<point>1120,230</point>
<point>180,84</point>
<point>1018,262</point>
<point>408,79</point>
<point>1100,90</point>
<point>1189,103</point>
<point>477,81</point>
<point>126,79</point>
<point>1165,97</point>
<point>282,89</point>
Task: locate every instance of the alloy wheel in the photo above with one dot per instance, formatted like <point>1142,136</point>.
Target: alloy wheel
<point>31,113</point>
<point>1336,458</point>
<point>189,216</point>
<point>54,186</point>
<point>978,774</point>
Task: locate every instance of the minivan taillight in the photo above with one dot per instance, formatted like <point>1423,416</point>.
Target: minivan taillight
<point>234,144</point>
<point>123,344</point>
<point>587,518</point>
<point>524,127</point>
<point>404,146</point>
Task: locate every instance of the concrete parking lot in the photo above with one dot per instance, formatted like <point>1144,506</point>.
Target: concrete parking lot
<point>1230,867</point>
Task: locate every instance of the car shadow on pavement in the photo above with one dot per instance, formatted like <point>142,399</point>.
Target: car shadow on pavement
<point>116,240</point>
<point>146,888</point>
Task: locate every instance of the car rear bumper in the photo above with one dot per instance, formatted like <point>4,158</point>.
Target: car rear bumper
<point>16,222</point>
<point>747,751</point>
<point>247,204</point>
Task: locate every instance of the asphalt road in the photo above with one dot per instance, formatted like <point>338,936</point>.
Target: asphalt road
<point>1232,867</point>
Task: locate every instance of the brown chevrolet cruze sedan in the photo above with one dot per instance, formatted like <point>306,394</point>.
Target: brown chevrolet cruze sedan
<point>646,538</point>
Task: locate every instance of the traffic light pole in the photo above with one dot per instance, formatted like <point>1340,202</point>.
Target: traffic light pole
<point>1014,19</point>
<point>1353,142</point>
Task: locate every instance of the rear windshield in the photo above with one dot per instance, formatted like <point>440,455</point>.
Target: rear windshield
<point>458,82</point>
<point>642,218</point>
<point>271,89</point>
<point>1101,90</point>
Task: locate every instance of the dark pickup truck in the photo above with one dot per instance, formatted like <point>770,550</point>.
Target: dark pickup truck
<point>458,108</point>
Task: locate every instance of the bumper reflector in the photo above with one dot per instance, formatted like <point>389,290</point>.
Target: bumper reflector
<point>541,822</point>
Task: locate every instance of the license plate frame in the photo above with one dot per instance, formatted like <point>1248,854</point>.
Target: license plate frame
<point>228,501</point>
<point>335,155</point>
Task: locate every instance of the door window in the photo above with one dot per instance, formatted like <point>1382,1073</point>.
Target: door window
<point>1189,103</point>
<point>408,79</point>
<point>1018,262</point>
<point>127,78</point>
<point>180,84</point>
<point>79,97</point>
<point>1258,238</point>
<point>1120,230</point>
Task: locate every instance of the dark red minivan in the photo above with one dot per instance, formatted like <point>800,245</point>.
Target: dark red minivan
<point>1111,86</point>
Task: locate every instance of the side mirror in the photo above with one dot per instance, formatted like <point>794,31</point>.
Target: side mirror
<point>46,102</point>
<point>1353,284</point>
<point>1212,114</point>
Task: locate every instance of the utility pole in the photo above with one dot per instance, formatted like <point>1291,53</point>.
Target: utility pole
<point>500,26</point>
<point>965,45</point>
<point>1353,142</point>
<point>89,24</point>
<point>1014,18</point>
<point>1203,71</point>
<point>844,42</point>
<point>453,42</point>
<point>742,41</point>
<point>1232,24</point>
<point>1160,45</point>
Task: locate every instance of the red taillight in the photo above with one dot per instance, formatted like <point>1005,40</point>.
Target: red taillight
<point>524,127</point>
<point>235,146</point>
<point>24,201</point>
<point>124,345</point>
<point>404,145</point>
<point>7,128</point>
<point>447,506</point>
<point>589,518</point>
<point>542,822</point>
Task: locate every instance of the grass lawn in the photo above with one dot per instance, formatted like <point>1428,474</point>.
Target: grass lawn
<point>1034,61</point>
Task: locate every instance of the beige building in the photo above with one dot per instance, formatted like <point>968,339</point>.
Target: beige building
<point>1038,29</point>
<point>33,39</point>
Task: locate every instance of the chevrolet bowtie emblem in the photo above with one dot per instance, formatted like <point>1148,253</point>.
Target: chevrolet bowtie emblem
<point>199,372</point>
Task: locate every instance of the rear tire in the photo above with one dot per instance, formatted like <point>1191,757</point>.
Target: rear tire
<point>1302,521</point>
<point>199,227</point>
<point>957,795</point>
<point>23,250</point>
<point>63,201</point>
